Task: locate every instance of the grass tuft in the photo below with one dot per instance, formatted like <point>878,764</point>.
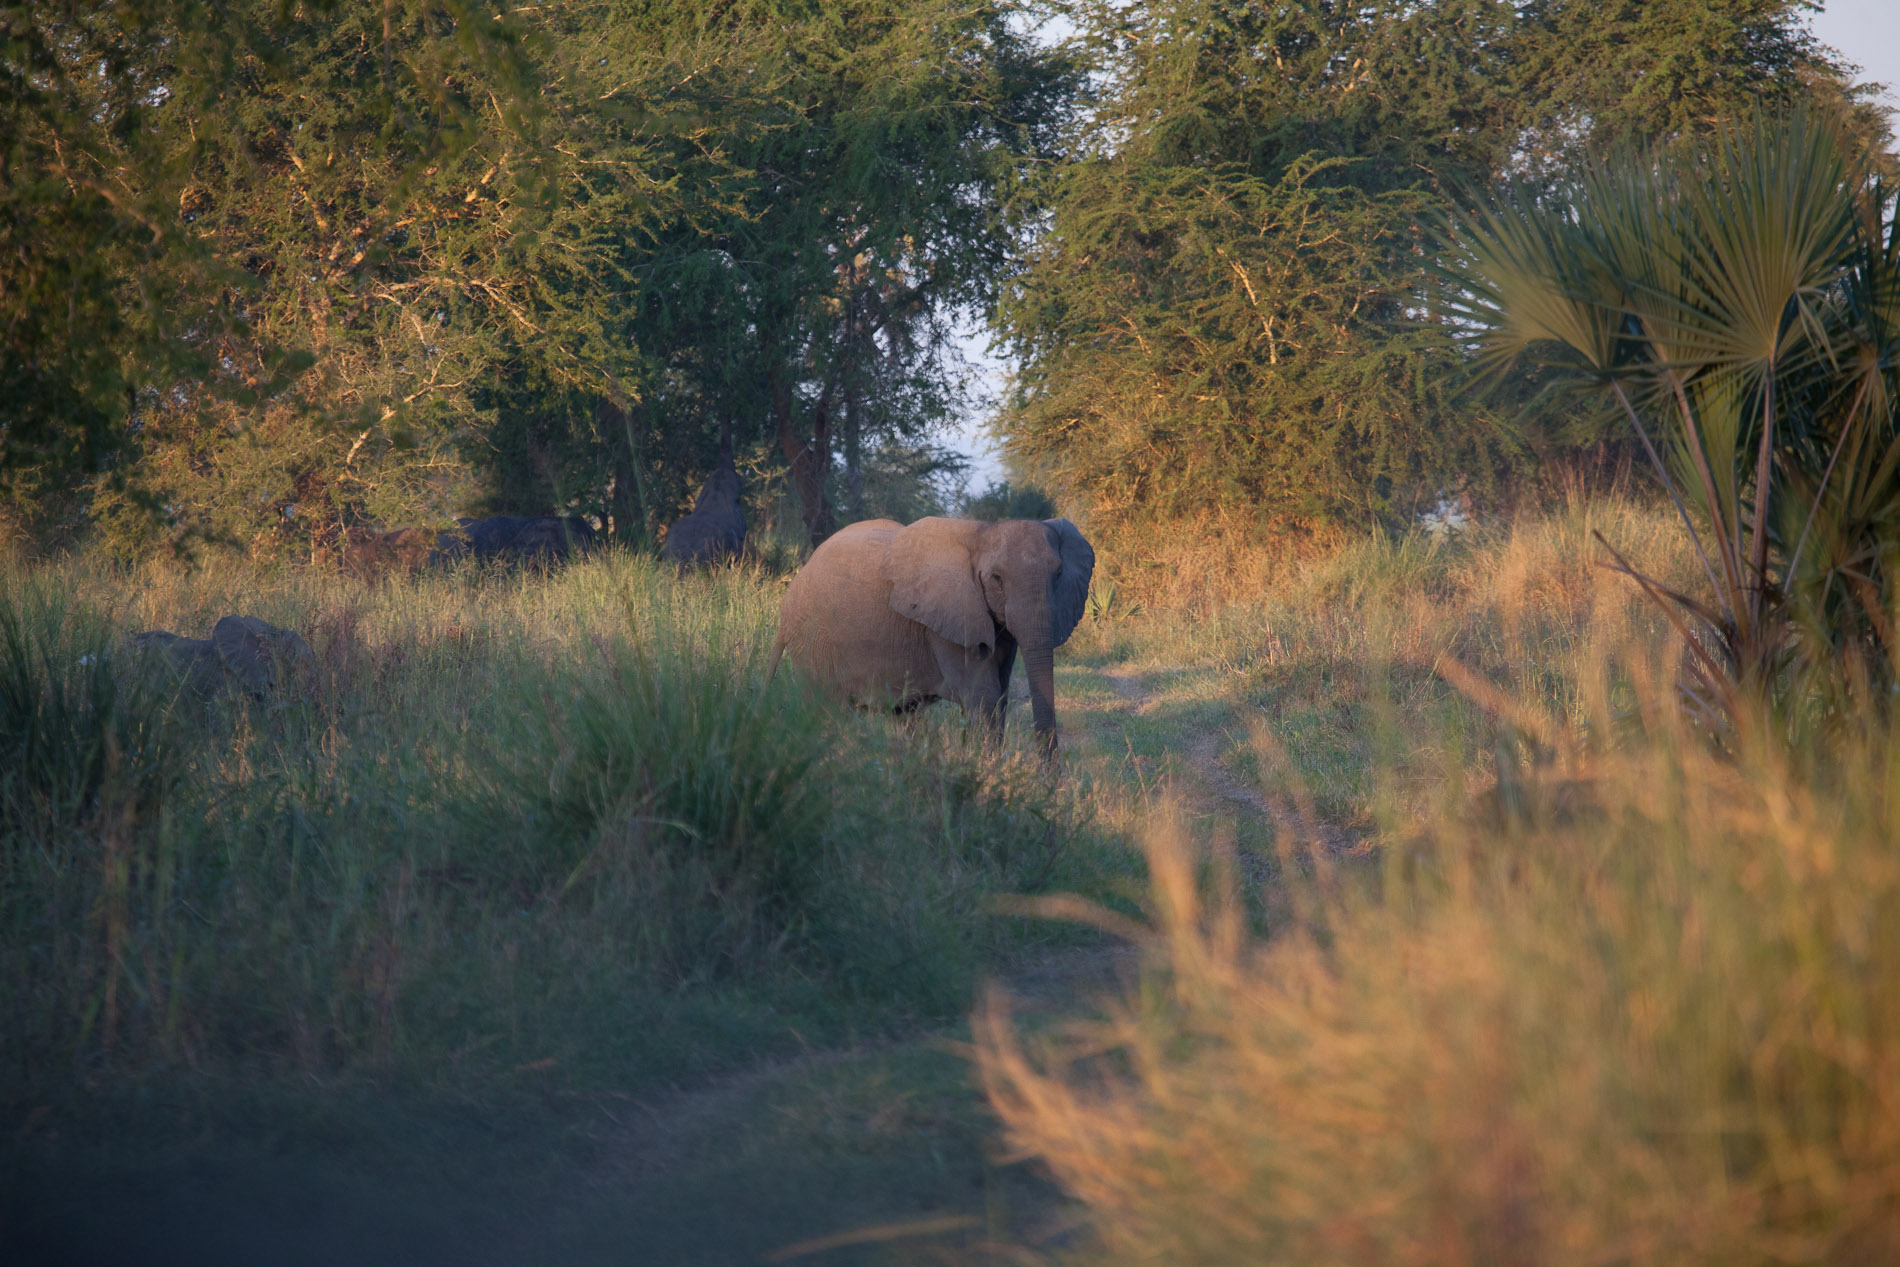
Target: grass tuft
<point>1636,1001</point>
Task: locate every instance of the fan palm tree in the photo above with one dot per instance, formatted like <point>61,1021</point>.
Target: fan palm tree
<point>1741,303</point>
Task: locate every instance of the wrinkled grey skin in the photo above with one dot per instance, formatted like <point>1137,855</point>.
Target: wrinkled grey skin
<point>894,617</point>
<point>716,527</point>
<point>541,538</point>
<point>242,654</point>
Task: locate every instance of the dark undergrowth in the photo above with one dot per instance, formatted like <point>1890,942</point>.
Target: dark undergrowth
<point>526,846</point>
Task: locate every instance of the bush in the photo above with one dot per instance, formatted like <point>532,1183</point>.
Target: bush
<point>674,784</point>
<point>1003,500</point>
<point>89,762</point>
<point>1742,304</point>
<point>82,731</point>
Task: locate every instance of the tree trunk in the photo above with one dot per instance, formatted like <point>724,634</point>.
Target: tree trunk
<point>1039,661</point>
<point>853,454</point>
<point>629,502</point>
<point>809,453</point>
<point>853,429</point>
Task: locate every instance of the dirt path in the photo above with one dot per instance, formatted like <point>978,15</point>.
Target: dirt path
<point>901,1117</point>
<point>1209,786</point>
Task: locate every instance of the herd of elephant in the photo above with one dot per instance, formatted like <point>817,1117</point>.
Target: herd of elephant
<point>714,530</point>
<point>885,615</point>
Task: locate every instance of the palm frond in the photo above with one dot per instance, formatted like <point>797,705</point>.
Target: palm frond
<point>1744,304</point>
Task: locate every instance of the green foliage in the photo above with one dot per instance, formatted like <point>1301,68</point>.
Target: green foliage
<point>902,480</point>
<point>1743,304</point>
<point>278,272</point>
<point>870,152</point>
<point>223,195</point>
<point>1004,500</point>
<point>292,270</point>
<point>1592,78</point>
<point>1230,313</point>
<point>1218,317</point>
<point>674,786</point>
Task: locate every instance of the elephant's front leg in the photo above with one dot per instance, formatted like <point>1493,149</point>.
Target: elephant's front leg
<point>985,705</point>
<point>1005,663</point>
<point>978,683</point>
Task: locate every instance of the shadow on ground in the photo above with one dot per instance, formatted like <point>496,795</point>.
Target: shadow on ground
<point>884,1154</point>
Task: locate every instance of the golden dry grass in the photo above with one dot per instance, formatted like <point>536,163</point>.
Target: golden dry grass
<point>1614,991</point>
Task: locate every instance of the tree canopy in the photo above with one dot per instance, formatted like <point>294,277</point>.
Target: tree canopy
<point>336,262</point>
<point>1231,309</point>
<point>274,269</point>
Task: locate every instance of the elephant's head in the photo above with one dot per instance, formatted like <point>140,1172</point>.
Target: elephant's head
<point>964,580</point>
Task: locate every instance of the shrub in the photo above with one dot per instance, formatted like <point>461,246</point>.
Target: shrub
<point>529,822</point>
<point>1003,500</point>
<point>674,783</point>
<point>82,731</point>
<point>1742,306</point>
<point>89,761</point>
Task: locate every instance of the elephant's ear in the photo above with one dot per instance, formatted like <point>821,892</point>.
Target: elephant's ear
<point>933,582</point>
<point>1069,594</point>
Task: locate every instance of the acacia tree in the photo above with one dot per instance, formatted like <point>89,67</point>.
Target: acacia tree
<point>878,149</point>
<point>1593,78</point>
<point>267,190</point>
<point>1231,311</point>
<point>380,262</point>
<point>101,290</point>
<point>1220,317</point>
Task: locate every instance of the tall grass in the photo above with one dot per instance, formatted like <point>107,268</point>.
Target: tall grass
<point>78,740</point>
<point>1636,1001</point>
<point>88,763</point>
<point>1339,654</point>
<point>525,827</point>
<point>681,790</point>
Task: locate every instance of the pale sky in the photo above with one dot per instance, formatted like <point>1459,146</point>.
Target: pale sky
<point>1865,32</point>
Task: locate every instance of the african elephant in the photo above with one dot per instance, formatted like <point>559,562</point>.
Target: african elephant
<point>896,617</point>
<point>715,529</point>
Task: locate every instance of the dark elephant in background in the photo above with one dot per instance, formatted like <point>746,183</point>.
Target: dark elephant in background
<point>715,529</point>
<point>538,538</point>
<point>896,617</point>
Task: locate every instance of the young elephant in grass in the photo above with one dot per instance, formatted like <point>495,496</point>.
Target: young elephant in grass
<point>896,617</point>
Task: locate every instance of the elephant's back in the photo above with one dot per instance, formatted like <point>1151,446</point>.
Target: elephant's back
<point>836,622</point>
<point>846,569</point>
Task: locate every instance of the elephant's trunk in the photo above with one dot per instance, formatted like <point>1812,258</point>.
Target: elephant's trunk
<point>1039,660</point>
<point>1030,620</point>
